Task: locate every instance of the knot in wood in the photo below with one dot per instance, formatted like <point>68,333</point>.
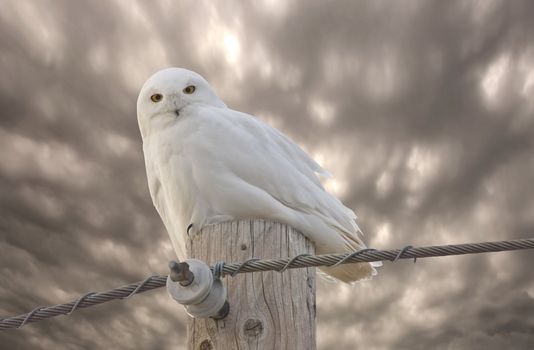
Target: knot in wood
<point>206,345</point>
<point>253,327</point>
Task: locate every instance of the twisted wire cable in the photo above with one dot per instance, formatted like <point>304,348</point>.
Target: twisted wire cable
<point>365,255</point>
<point>89,299</point>
<point>280,265</point>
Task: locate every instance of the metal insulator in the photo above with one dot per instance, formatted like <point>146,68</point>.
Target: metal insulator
<point>202,295</point>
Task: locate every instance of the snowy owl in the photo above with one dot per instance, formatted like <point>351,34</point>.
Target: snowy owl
<point>198,157</point>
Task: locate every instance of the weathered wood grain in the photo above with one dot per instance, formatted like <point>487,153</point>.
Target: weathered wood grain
<point>268,310</point>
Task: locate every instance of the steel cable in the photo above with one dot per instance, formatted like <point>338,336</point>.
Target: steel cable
<point>280,265</point>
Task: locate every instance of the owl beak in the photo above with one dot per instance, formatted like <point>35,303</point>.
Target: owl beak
<point>178,105</point>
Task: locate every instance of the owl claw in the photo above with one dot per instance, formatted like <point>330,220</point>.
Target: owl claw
<point>189,228</point>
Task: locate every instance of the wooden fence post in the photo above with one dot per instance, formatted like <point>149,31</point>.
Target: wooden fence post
<point>268,310</point>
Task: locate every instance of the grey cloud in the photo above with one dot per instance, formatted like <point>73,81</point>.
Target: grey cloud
<point>426,154</point>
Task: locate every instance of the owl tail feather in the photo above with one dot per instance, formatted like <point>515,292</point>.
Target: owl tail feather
<point>349,273</point>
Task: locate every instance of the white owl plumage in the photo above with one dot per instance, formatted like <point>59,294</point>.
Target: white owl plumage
<point>207,163</point>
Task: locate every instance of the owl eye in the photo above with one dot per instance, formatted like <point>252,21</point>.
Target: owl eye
<point>189,89</point>
<point>156,97</point>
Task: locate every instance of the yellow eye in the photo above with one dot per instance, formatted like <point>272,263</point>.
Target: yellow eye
<point>189,90</point>
<point>156,97</point>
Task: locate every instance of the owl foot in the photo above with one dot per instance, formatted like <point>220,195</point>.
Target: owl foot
<point>189,228</point>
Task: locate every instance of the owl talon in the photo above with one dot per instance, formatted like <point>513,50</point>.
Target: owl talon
<point>189,228</point>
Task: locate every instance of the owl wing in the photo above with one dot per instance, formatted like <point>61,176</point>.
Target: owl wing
<point>255,161</point>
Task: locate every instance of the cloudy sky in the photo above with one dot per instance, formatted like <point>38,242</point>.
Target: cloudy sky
<point>422,110</point>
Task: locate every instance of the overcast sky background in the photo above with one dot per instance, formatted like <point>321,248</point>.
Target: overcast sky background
<point>423,111</point>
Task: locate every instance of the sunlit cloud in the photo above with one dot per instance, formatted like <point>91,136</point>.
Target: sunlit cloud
<point>220,40</point>
<point>118,145</point>
<point>232,47</point>
<point>493,78</point>
<point>423,164</point>
<point>53,161</point>
<point>336,164</point>
<point>276,8</point>
<point>322,111</point>
<point>382,236</point>
<point>507,77</point>
<point>385,180</point>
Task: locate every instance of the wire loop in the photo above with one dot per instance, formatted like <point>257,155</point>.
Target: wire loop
<point>402,251</point>
<point>218,269</point>
<point>77,303</point>
<point>29,315</point>
<point>292,260</point>
<point>139,286</point>
<point>352,255</point>
<point>243,264</point>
